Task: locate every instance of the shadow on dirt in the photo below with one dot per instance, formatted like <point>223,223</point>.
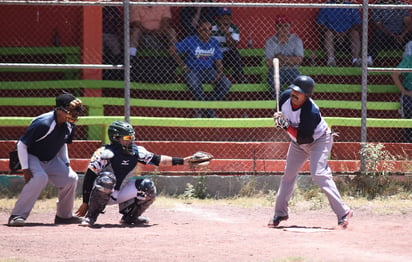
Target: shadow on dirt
<point>305,229</point>
<point>98,226</point>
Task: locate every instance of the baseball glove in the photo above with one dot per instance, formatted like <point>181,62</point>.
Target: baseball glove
<point>200,159</point>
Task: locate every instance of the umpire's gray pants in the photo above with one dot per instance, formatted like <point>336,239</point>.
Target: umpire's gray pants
<point>56,172</point>
<point>317,152</point>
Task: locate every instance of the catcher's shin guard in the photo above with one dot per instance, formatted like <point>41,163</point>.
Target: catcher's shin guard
<point>100,195</point>
<point>133,209</point>
<point>97,204</point>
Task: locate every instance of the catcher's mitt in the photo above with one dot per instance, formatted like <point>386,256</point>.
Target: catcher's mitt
<point>200,159</point>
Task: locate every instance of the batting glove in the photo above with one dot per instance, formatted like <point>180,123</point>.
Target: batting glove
<point>277,115</point>
<point>281,122</point>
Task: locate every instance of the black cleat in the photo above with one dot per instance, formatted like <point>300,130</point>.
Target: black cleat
<point>141,220</point>
<point>344,221</point>
<point>66,221</point>
<point>274,222</point>
<point>16,221</point>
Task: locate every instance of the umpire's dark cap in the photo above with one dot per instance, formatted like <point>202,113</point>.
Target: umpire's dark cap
<point>64,100</point>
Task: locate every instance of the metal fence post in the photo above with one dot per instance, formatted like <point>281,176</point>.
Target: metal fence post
<point>126,25</point>
<point>364,82</point>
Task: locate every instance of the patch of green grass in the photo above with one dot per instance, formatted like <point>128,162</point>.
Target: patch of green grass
<point>399,204</point>
<point>396,204</point>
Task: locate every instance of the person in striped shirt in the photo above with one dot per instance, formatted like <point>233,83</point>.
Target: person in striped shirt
<point>228,36</point>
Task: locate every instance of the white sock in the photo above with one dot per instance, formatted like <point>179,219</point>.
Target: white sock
<point>133,51</point>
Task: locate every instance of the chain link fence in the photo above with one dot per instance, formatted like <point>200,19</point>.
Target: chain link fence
<point>81,47</point>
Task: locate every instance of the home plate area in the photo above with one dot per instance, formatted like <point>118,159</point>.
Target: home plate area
<point>300,229</point>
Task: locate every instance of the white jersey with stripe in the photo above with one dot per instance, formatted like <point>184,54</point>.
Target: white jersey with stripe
<point>306,119</point>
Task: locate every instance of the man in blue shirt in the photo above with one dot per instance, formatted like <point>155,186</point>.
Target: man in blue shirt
<point>43,156</point>
<point>203,64</point>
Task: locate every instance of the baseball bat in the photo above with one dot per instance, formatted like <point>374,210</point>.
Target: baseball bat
<point>276,81</point>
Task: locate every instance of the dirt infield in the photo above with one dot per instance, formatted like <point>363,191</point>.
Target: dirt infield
<point>212,232</point>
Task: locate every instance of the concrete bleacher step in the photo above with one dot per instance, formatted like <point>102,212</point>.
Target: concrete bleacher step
<point>217,129</point>
<point>163,133</point>
<point>220,167</point>
<point>231,158</point>
<point>241,112</point>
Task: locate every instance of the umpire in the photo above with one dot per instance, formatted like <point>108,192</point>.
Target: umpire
<point>43,156</point>
<point>311,139</point>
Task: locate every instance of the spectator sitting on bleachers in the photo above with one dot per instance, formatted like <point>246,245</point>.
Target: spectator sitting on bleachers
<point>340,23</point>
<point>112,34</point>
<point>392,27</point>
<point>228,35</point>
<point>191,15</point>
<point>112,41</point>
<point>203,64</point>
<point>150,25</point>
<point>403,82</point>
<point>286,46</point>
<point>408,49</point>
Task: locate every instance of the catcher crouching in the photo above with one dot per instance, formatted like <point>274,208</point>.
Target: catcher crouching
<point>108,179</point>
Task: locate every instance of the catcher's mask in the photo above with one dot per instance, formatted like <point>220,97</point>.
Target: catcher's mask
<point>120,130</point>
<point>71,105</point>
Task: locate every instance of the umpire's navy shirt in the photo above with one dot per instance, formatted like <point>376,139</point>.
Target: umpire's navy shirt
<point>48,147</point>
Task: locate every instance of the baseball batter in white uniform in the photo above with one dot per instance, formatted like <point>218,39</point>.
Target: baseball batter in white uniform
<point>311,139</point>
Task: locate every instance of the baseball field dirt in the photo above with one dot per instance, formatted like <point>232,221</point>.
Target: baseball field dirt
<point>214,231</point>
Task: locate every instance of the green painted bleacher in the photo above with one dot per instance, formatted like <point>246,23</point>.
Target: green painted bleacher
<point>72,55</point>
<point>212,122</point>
<point>98,84</point>
<point>251,52</point>
<point>105,121</point>
<point>98,103</point>
<point>261,68</point>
